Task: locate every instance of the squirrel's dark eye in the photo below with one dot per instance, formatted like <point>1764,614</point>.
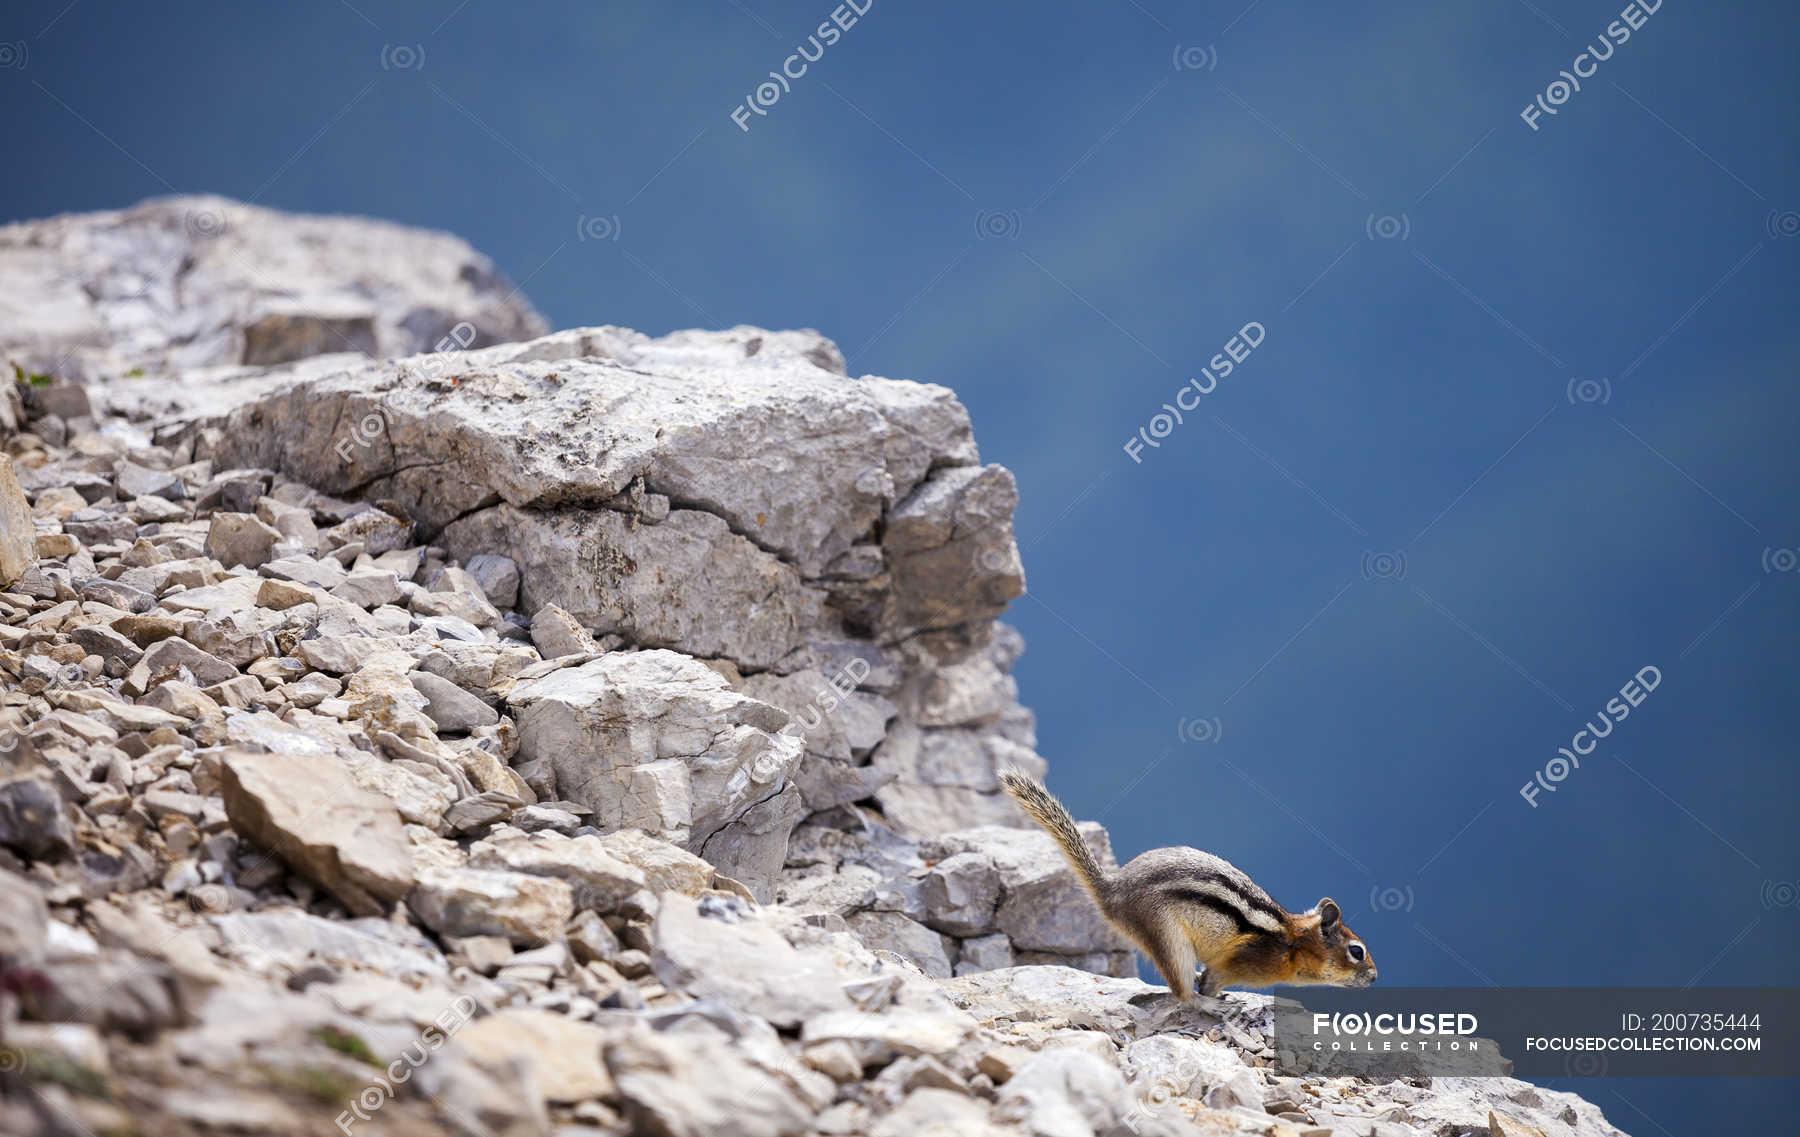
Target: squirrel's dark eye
<point>1356,953</point>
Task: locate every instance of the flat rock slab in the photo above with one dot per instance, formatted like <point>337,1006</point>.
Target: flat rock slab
<point>309,811</point>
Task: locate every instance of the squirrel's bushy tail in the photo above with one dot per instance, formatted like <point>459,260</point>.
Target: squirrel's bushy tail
<point>1044,809</point>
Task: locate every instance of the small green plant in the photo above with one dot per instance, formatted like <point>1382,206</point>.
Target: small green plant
<point>47,1066</point>
<point>30,378</point>
<point>347,1044</point>
<point>318,1083</point>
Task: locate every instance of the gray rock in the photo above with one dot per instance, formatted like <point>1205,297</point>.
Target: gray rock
<point>165,659</point>
<point>18,537</point>
<point>240,539</point>
<point>295,938</point>
<point>984,953</point>
<point>656,741</point>
<point>689,414</point>
<point>498,577</point>
<point>906,938</point>
<point>878,1039</point>
<point>321,573</point>
<point>24,921</point>
<point>599,880</point>
<point>33,820</point>
<point>192,302</point>
<point>563,1055</point>
<point>311,813</point>
<point>528,910</point>
<point>1064,1091</point>
<point>94,527</point>
<point>100,640</point>
<point>693,1084</point>
<point>950,550</point>
<point>1042,907</point>
<point>666,867</point>
<point>376,531</point>
<point>960,894</point>
<point>453,709</point>
<point>134,480</point>
<point>556,633</point>
<point>735,600</point>
<point>232,491</point>
<point>768,977</point>
<point>369,588</point>
<point>117,594</point>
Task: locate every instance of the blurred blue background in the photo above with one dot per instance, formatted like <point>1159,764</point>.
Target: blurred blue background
<point>1523,421</point>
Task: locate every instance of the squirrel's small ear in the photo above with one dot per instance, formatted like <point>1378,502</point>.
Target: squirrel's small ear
<point>1329,914</point>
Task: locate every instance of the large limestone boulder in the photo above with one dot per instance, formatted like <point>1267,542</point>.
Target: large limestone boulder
<point>746,450</point>
<point>191,282</point>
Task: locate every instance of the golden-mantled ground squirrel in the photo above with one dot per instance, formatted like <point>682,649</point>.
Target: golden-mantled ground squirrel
<point>1182,906</point>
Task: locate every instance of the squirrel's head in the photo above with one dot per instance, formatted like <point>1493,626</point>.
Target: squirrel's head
<point>1337,957</point>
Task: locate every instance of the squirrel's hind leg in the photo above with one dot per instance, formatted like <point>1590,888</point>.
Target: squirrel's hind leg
<point>1169,950</point>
